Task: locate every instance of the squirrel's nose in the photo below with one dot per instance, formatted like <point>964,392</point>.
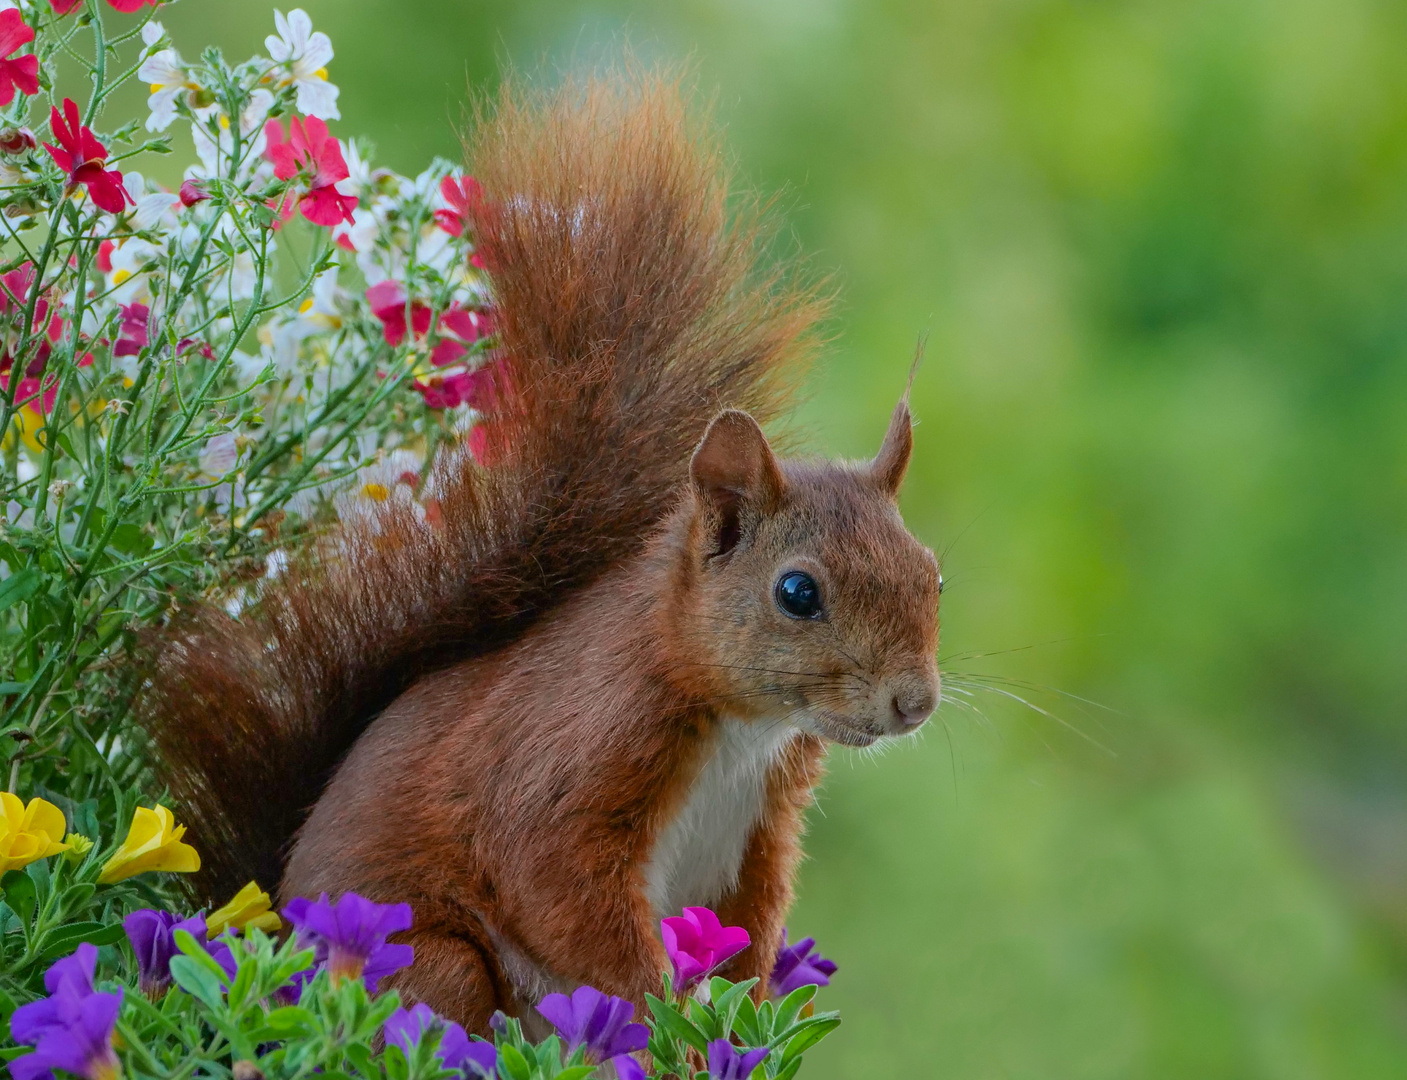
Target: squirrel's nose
<point>915,698</point>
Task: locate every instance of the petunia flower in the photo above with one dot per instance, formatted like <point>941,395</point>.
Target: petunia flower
<point>76,1039</point>
<point>462,197</point>
<point>350,935</point>
<point>406,1027</point>
<point>30,832</point>
<point>153,937</point>
<point>601,1025</point>
<point>727,1062</point>
<point>315,157</point>
<point>153,843</point>
<point>81,156</point>
<point>306,53</point>
<point>697,943</point>
<point>798,966</point>
<point>248,907</point>
<point>22,72</point>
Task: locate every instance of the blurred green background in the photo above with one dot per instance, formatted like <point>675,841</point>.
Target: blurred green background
<point>1161,251</point>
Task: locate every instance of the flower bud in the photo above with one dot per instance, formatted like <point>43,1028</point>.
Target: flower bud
<point>16,140</point>
<point>192,193</point>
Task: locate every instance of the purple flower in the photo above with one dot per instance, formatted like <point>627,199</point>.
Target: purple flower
<point>350,936</point>
<point>71,1029</point>
<point>697,943</point>
<point>727,1062</point>
<point>152,934</point>
<point>456,1051</point>
<point>798,966</point>
<point>601,1024</point>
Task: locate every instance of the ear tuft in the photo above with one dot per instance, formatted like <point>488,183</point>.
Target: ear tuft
<point>734,468</point>
<point>892,461</point>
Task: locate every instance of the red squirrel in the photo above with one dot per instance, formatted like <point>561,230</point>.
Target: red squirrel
<point>599,685</point>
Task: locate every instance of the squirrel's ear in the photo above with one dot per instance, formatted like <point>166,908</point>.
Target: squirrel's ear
<point>734,469</point>
<point>892,461</point>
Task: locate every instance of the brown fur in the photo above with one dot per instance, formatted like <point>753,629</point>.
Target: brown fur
<point>547,672</point>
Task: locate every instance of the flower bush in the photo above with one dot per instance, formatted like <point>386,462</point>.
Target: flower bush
<point>192,383</point>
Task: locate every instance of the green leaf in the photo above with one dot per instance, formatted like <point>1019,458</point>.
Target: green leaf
<point>360,1059</point>
<point>727,1000</point>
<point>789,1008</point>
<point>19,894</point>
<point>788,1071</point>
<point>575,1072</point>
<point>62,940</point>
<point>394,1062</point>
<point>198,981</point>
<point>130,539</point>
<point>668,1018</point>
<point>812,1032</point>
<point>19,587</point>
<point>745,1023</point>
<point>513,1063</point>
<point>288,1021</point>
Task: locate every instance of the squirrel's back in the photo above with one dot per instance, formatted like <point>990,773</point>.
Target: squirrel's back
<point>632,305</point>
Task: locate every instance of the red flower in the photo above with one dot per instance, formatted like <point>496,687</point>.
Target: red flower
<point>480,389</point>
<point>132,338</point>
<point>16,140</point>
<point>388,303</point>
<point>82,157</point>
<point>464,197</point>
<point>63,7</point>
<point>104,259</point>
<point>314,154</point>
<point>467,326</point>
<point>22,73</point>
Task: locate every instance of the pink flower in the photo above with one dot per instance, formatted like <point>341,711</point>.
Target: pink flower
<point>21,73</point>
<point>82,157</point>
<point>191,193</point>
<point>16,140</point>
<point>697,943</point>
<point>464,196</point>
<point>63,7</point>
<point>132,337</point>
<point>315,156</point>
<point>466,326</point>
<point>129,6</point>
<point>388,303</point>
<point>473,388</point>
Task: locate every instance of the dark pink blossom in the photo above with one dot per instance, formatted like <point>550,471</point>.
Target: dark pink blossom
<point>16,140</point>
<point>192,192</point>
<point>697,944</point>
<point>464,196</point>
<point>132,337</point>
<point>81,156</point>
<point>388,302</point>
<point>21,73</point>
<point>313,156</point>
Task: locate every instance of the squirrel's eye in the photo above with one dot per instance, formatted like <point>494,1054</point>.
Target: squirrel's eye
<point>798,595</point>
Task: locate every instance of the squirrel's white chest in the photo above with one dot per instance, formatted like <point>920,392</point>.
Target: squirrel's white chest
<point>698,853</point>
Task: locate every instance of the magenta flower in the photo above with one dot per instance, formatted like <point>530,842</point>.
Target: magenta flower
<point>459,328</point>
<point>601,1024</point>
<point>798,966</point>
<point>727,1062</point>
<point>350,936</point>
<point>192,192</point>
<point>314,156</point>
<point>388,302</point>
<point>406,1027</point>
<point>132,336</point>
<point>464,197</point>
<point>697,943</point>
<point>81,156</point>
<point>476,388</point>
<point>21,73</point>
<point>71,1029</point>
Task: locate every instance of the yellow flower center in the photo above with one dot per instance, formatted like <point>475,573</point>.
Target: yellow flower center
<point>321,73</point>
<point>119,276</point>
<point>306,306</point>
<point>376,492</point>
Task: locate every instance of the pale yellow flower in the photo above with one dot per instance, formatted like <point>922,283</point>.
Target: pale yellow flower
<point>249,907</point>
<point>28,832</point>
<point>153,843</point>
<point>78,847</point>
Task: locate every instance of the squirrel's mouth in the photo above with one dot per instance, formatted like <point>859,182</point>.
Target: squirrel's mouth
<point>837,728</point>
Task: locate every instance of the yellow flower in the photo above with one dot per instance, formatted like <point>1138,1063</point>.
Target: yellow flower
<point>249,907</point>
<point>28,832</point>
<point>78,847</point>
<point>153,843</point>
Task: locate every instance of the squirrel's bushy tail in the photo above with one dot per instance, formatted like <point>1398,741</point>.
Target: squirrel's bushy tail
<point>632,304</point>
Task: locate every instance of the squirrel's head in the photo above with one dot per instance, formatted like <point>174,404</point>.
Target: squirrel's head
<point>802,595</point>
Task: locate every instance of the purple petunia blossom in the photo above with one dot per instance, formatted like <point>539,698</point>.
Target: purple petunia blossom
<point>71,1029</point>
<point>600,1023</point>
<point>152,934</point>
<point>798,966</point>
<point>727,1062</point>
<point>697,943</point>
<point>350,936</point>
<point>406,1027</point>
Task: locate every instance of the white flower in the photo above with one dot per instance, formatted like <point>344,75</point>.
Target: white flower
<point>153,208</point>
<point>214,157</point>
<point>166,73</point>
<point>152,33</point>
<point>391,478</point>
<point>127,280</point>
<point>307,54</point>
<point>217,461</point>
